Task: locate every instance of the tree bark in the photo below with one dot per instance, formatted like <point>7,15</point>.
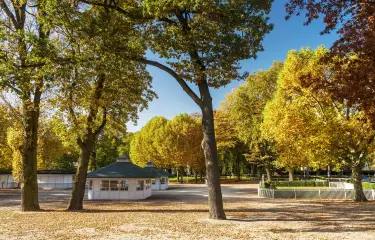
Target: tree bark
<point>267,166</point>
<point>196,176</point>
<point>307,172</point>
<point>29,185</point>
<point>291,175</point>
<point>215,200</point>
<point>252,170</point>
<point>93,164</point>
<point>78,193</point>
<point>359,196</point>
<point>238,167</point>
<point>328,171</point>
<point>87,144</point>
<point>181,174</point>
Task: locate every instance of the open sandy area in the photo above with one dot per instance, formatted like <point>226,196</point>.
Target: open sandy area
<point>182,213</point>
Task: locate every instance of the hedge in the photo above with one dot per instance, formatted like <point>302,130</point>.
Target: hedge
<point>296,184</point>
<point>367,185</point>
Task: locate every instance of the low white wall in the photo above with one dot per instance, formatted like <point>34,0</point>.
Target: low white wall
<point>158,186</point>
<point>55,181</point>
<point>341,185</point>
<point>131,194</point>
<point>6,181</point>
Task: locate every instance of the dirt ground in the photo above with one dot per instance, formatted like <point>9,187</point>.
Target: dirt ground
<point>181,213</point>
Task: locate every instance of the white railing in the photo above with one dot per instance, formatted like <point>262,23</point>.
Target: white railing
<point>346,194</point>
<point>340,185</point>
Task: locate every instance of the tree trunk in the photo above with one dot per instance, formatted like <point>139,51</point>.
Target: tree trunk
<point>29,186</point>
<point>181,171</point>
<point>267,166</point>
<point>359,196</point>
<point>196,176</point>
<point>87,144</point>
<point>93,164</point>
<point>238,167</point>
<point>78,193</point>
<point>252,170</point>
<point>201,176</point>
<point>291,175</point>
<point>215,200</point>
<point>328,171</point>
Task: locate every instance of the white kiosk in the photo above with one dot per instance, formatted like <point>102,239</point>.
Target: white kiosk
<point>160,179</point>
<point>118,181</point>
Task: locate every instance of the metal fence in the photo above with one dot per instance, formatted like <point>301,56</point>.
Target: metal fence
<point>346,194</point>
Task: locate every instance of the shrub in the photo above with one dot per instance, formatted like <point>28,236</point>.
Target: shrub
<point>301,184</point>
<point>269,184</point>
<point>367,185</point>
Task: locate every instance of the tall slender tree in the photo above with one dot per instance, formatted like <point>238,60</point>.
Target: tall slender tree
<point>353,21</point>
<point>203,42</point>
<point>100,85</point>
<point>312,128</point>
<point>245,108</point>
<point>25,70</point>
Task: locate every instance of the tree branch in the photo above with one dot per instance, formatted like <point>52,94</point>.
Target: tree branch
<point>181,81</point>
<point>102,125</point>
<point>16,114</point>
<point>18,91</point>
<point>127,13</point>
<point>70,96</point>
<point>7,11</point>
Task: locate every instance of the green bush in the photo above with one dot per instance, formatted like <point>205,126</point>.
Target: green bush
<point>318,177</point>
<point>269,184</point>
<point>301,184</point>
<point>367,185</point>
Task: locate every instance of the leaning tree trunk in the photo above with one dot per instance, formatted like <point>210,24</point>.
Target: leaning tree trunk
<point>215,200</point>
<point>267,166</point>
<point>359,196</point>
<point>78,193</point>
<point>87,144</point>
<point>291,175</point>
<point>29,182</point>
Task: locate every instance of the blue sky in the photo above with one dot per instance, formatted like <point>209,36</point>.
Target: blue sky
<point>286,35</point>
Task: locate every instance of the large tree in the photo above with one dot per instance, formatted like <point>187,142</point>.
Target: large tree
<point>353,21</point>
<point>5,149</point>
<point>245,108</point>
<point>230,147</point>
<point>169,143</point>
<point>99,86</point>
<point>311,128</point>
<point>148,143</point>
<point>26,58</point>
<point>203,42</point>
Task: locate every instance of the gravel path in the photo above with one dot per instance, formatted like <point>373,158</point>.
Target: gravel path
<point>181,213</point>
